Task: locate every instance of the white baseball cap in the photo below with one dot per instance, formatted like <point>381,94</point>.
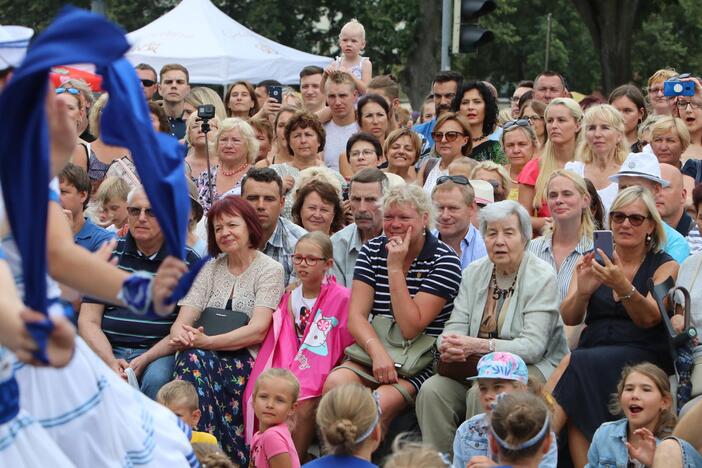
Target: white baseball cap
<point>641,165</point>
<point>484,192</point>
<point>14,41</point>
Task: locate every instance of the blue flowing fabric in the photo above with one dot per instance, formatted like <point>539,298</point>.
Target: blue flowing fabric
<point>77,36</point>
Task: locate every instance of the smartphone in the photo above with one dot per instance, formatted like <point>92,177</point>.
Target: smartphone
<point>276,92</point>
<point>678,88</point>
<point>604,241</point>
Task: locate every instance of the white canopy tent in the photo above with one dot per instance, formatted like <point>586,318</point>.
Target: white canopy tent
<point>215,48</point>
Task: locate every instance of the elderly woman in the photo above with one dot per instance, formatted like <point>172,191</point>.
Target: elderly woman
<point>402,148</point>
<point>196,159</point>
<point>508,301</point>
<point>372,117</point>
<point>305,137</point>
<point>520,146</point>
<point>603,150</point>
<point>239,278</point>
<point>408,276</point>
<point>317,207</point>
<point>235,148</point>
<point>623,321</point>
<point>451,141</point>
<point>478,105</point>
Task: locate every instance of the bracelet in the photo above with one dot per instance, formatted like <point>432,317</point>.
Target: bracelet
<point>365,343</point>
<point>491,345</point>
<point>628,296</point>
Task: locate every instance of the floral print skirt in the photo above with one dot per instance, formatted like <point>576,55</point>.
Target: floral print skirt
<point>220,379</point>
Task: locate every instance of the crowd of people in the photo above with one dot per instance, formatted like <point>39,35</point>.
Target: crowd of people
<point>365,271</point>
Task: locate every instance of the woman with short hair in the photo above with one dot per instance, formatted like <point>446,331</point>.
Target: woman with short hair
<point>451,141</point>
<point>402,149</point>
<point>372,116</point>
<point>317,207</point>
<point>520,145</point>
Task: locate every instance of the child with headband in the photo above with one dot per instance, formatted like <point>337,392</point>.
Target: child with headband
<point>498,373</point>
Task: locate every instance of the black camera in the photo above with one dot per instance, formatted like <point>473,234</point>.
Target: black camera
<point>206,111</point>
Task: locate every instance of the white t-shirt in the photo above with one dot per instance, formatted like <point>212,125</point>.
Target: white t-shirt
<point>335,144</point>
<point>607,194</point>
<point>300,306</point>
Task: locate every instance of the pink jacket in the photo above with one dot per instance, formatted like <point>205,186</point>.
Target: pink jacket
<point>323,345</point>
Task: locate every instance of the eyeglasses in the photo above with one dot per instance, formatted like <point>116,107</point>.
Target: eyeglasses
<point>532,118</point>
<point>514,98</point>
<point>309,260</point>
<point>450,136</point>
<point>617,217</point>
<point>692,104</point>
<point>134,212</point>
<point>456,179</point>
<point>148,83</point>
<point>62,90</point>
<point>681,76</point>
<point>365,152</point>
<point>517,123</point>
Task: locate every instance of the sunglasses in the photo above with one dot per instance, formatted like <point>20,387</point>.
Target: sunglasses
<point>133,211</point>
<point>450,136</point>
<point>456,179</point>
<point>516,123</point>
<point>62,90</point>
<point>617,217</point>
<point>148,83</point>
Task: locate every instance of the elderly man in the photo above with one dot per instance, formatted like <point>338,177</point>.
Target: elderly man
<point>366,190</point>
<point>549,85</point>
<point>120,337</point>
<point>263,189</point>
<point>454,200</point>
<point>643,169</point>
<point>670,202</point>
<point>341,93</point>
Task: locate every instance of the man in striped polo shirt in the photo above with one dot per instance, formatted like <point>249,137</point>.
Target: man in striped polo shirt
<point>120,337</point>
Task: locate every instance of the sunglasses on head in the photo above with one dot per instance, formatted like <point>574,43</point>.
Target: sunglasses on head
<point>617,217</point>
<point>148,83</point>
<point>516,123</point>
<point>62,90</point>
<point>450,136</point>
<point>456,179</point>
<point>135,211</point>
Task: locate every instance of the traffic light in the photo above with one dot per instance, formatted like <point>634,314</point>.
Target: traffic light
<point>467,35</point>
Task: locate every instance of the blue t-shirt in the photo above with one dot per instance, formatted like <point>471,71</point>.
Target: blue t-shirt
<point>675,244</point>
<point>339,461</point>
<point>425,130</point>
<point>92,236</point>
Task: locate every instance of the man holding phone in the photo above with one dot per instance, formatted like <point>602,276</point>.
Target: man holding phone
<point>643,169</point>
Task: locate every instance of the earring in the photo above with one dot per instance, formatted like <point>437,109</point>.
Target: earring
<point>649,238</point>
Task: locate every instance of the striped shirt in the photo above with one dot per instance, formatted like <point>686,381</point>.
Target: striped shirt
<point>542,248</point>
<point>436,270</point>
<point>122,327</point>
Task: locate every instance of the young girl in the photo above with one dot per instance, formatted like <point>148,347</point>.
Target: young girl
<point>643,395</point>
<point>308,334</point>
<point>520,430</point>
<point>498,373</point>
<point>349,420</point>
<point>275,398</point>
<point>352,40</point>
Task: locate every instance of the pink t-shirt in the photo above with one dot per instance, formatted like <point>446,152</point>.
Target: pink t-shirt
<point>273,441</point>
<point>528,176</point>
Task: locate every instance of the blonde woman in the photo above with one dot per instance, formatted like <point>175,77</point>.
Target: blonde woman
<point>196,159</point>
<point>201,95</point>
<point>656,99</point>
<point>402,148</point>
<point>101,154</point>
<point>603,150</point>
<point>669,139</point>
<point>520,144</point>
<point>496,175</point>
<point>236,148</point>
<point>563,119</point>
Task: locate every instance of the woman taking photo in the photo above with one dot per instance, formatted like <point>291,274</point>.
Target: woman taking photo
<point>402,149</point>
<point>628,100</point>
<point>372,116</point>
<point>451,141</point>
<point>196,160</point>
<point>507,302</point>
<point>317,207</point>
<point>305,137</point>
<point>520,145</point>
<point>235,148</point>
<point>478,105</point>
<point>623,323</point>
<point>408,276</point>
<point>602,152</point>
<point>239,278</point>
<point>563,119</point>
<point>533,111</point>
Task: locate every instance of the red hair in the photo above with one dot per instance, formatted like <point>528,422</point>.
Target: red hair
<point>233,206</point>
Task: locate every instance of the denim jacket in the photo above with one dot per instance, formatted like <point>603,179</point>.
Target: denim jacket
<point>472,440</point>
<point>608,447</point>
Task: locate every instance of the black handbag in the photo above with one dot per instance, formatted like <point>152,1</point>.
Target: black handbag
<point>217,321</point>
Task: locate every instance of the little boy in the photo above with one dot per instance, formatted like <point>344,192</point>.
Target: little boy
<point>181,397</point>
<point>111,198</point>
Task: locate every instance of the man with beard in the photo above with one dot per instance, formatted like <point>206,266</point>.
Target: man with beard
<point>444,89</point>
